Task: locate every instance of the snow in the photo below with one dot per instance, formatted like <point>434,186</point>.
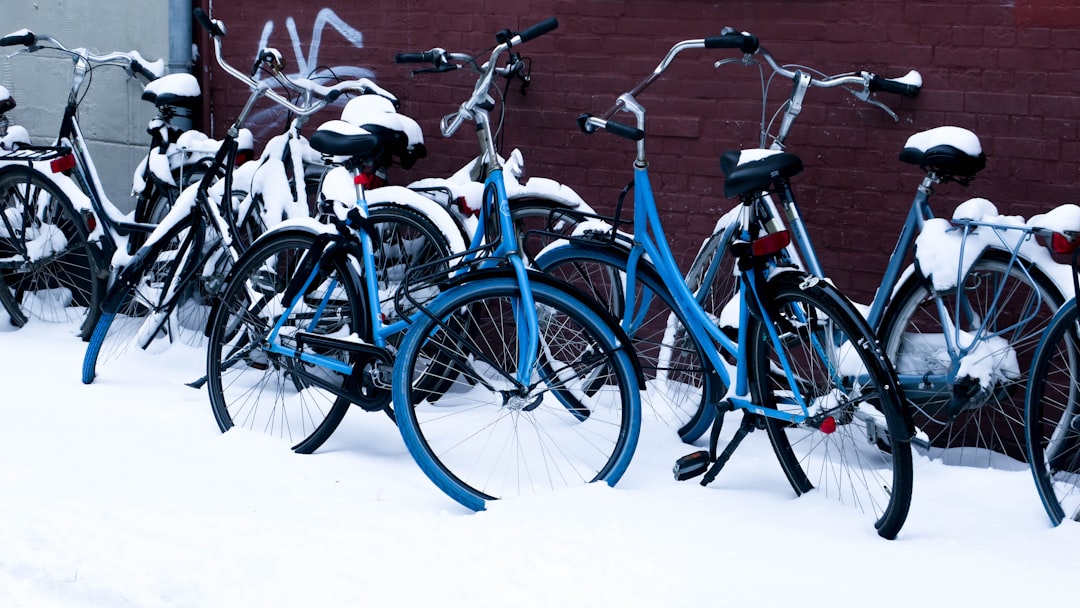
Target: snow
<point>124,493</point>
<point>180,84</point>
<point>957,137</point>
<point>913,77</point>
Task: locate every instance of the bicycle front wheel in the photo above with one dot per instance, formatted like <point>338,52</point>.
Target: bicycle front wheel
<point>49,271</point>
<point>1052,417</point>
<point>853,446</point>
<point>255,388</point>
<point>163,298</point>
<point>680,388</point>
<point>966,418</point>
<point>486,437</point>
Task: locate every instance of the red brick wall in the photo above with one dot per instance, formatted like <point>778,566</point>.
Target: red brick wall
<point>1007,71</point>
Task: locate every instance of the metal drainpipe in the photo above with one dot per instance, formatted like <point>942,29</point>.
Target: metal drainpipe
<point>180,16</point>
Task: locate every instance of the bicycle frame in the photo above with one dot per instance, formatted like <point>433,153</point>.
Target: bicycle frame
<point>956,344</point>
<point>485,251</point>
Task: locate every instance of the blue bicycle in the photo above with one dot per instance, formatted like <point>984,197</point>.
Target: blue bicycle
<point>502,380</point>
<point>796,358</point>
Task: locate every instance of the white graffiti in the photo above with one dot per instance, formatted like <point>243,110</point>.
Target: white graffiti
<point>268,120</point>
<point>306,65</point>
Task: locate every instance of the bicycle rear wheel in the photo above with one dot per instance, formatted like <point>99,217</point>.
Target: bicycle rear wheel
<point>49,271</point>
<point>963,421</point>
<point>1052,417</point>
<point>252,387</point>
<point>259,390</point>
<point>680,388</point>
<point>854,447</point>
<point>487,438</point>
<point>165,297</point>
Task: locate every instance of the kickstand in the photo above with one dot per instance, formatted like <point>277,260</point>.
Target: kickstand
<point>747,426</point>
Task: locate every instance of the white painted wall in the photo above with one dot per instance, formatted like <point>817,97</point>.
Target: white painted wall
<point>112,114</point>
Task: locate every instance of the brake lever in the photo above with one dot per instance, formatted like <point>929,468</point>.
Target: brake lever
<point>866,97</point>
<point>25,49</point>
<point>442,68</point>
<point>747,59</point>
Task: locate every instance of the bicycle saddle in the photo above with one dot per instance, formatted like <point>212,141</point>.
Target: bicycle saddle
<point>377,114</point>
<point>7,102</point>
<point>952,152</point>
<point>175,90</point>
<point>751,171</point>
<point>339,138</point>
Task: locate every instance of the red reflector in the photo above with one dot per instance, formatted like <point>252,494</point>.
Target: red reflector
<point>91,221</point>
<point>1060,243</point>
<point>369,181</point>
<point>771,243</point>
<point>828,425</point>
<point>64,163</point>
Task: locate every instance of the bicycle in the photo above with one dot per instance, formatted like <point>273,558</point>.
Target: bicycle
<point>60,228</point>
<point>302,318</point>
<point>1052,400</point>
<point>538,204</point>
<point>961,321</point>
<point>801,362</point>
<point>170,284</point>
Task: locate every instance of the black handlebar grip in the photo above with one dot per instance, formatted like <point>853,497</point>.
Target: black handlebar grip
<point>615,128</point>
<point>747,43</point>
<point>27,39</point>
<point>538,29</point>
<point>425,57</point>
<point>877,83</point>
<point>208,24</point>
<point>332,96</point>
<point>139,68</point>
<point>624,130</point>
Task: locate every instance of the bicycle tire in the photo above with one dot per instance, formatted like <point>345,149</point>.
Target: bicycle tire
<point>140,308</point>
<point>539,221</point>
<point>680,388</point>
<point>1052,417</point>
<point>489,460</point>
<point>404,239</point>
<point>840,449</point>
<point>973,430</point>
<point>252,388</point>
<point>59,279</point>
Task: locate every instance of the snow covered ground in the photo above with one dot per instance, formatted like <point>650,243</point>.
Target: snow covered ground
<point>124,493</point>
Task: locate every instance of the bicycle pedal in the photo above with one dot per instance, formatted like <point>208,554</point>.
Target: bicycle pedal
<point>691,465</point>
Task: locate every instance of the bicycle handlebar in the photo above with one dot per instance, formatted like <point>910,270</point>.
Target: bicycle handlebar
<point>131,61</point>
<point>535,31</point>
<point>443,61</point>
<point>589,124</point>
<point>19,38</point>
<point>272,59</point>
<point>731,39</point>
<point>897,86</point>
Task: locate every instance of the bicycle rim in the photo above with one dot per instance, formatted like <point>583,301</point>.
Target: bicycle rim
<point>962,422</point>
<point>1052,418</point>
<point>851,450</point>
<point>48,270</point>
<point>166,302</point>
<point>483,439</point>
<point>679,390</point>
<point>257,390</point>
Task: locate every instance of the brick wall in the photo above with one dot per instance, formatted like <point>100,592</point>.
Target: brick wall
<point>1003,69</point>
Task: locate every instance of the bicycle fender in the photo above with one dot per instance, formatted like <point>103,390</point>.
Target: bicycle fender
<point>399,195</point>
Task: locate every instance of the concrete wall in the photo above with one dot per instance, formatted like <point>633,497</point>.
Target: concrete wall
<point>112,115</point>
